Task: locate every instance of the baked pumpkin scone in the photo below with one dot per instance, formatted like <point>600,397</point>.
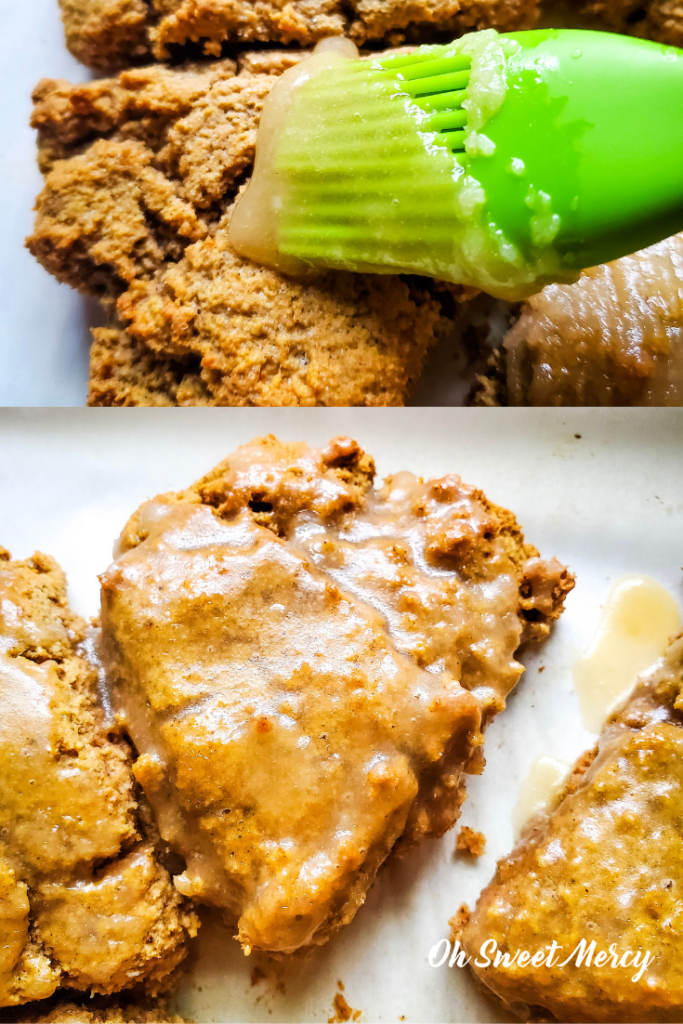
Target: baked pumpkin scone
<point>602,869</point>
<point>292,717</point>
<point>141,173</point>
<point>84,901</point>
<point>110,34</point>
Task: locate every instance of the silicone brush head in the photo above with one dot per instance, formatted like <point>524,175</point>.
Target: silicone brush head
<point>361,165</point>
<point>503,162</point>
<point>368,193</point>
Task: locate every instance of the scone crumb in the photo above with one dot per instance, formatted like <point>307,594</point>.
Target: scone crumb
<point>342,1011</point>
<point>470,841</point>
<point>459,922</point>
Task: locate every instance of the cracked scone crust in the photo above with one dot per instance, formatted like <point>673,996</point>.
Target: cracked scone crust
<point>106,33</point>
<point>109,34</point>
<point>603,866</point>
<point>280,613</point>
<point>123,372</point>
<point>141,173</point>
<point>85,903</point>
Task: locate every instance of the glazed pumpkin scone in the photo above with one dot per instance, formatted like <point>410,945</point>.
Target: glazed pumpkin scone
<point>596,884</point>
<point>284,741</point>
<point>141,173</point>
<point>613,338</point>
<point>84,901</point>
<point>295,718</point>
<point>110,34</point>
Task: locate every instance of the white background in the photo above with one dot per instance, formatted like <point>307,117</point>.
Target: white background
<point>608,503</point>
<point>44,336</point>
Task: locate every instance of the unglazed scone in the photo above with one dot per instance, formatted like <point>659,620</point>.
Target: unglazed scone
<point>271,639</point>
<point>84,901</point>
<point>603,867</point>
<point>109,34</point>
<point>141,174</point>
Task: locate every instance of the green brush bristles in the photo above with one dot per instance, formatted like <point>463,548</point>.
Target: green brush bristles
<point>375,143</point>
<point>438,86</point>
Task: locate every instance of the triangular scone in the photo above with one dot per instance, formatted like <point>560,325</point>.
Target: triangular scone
<point>84,903</point>
<point>289,734</point>
<point>604,868</point>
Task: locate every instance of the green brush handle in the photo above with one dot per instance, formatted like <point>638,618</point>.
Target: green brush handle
<point>597,121</point>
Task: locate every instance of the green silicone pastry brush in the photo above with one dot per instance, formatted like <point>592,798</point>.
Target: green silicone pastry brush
<point>500,161</point>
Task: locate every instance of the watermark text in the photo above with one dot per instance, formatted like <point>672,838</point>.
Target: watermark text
<point>583,954</point>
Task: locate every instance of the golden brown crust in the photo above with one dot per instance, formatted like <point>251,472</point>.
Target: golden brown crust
<point>269,62</point>
<point>47,628</point>
<point>415,20</point>
<point>140,175</point>
<point>340,339</point>
<point>108,34</point>
<point>342,725</point>
<point>102,235</point>
<point>124,372</point>
<point>276,481</point>
<point>601,867</point>
<point>138,105</point>
<point>68,807</point>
